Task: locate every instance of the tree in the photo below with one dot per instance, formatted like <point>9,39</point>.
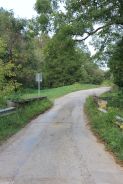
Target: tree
<point>65,64</point>
<point>116,63</point>
<point>7,86</point>
<point>10,31</point>
<point>18,40</point>
<point>87,18</point>
<point>8,83</point>
<point>44,8</point>
<point>62,61</point>
<point>82,15</point>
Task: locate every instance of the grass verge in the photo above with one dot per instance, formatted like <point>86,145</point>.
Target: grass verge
<point>54,93</point>
<point>104,127</point>
<point>12,123</point>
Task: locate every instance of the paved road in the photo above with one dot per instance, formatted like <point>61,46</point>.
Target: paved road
<point>58,148</point>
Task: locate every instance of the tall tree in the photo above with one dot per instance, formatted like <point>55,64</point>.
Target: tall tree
<point>20,38</point>
<point>65,64</point>
<point>8,83</point>
<point>10,31</point>
<point>116,63</point>
<point>61,56</point>
<point>86,18</point>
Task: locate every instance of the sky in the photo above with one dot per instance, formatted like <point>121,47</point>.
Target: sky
<point>21,8</point>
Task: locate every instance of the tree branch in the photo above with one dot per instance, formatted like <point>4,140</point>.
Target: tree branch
<point>91,33</point>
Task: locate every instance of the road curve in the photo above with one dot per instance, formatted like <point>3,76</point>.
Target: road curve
<point>59,148</point>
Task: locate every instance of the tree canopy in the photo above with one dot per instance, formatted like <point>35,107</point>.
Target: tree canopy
<point>102,20</point>
<point>18,45</point>
<point>53,43</point>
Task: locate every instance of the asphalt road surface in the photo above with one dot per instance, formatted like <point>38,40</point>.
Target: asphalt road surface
<point>59,148</point>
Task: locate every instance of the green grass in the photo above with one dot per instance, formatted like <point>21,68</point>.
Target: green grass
<point>107,83</point>
<point>2,102</point>
<point>12,123</point>
<point>115,101</point>
<point>104,126</point>
<point>57,92</point>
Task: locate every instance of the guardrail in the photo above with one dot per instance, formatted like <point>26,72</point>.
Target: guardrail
<point>13,104</point>
<point>7,111</point>
<point>21,102</point>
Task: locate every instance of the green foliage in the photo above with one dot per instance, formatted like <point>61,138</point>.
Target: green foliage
<point>107,83</point>
<point>93,71</point>
<point>43,6</point>
<point>7,87</point>
<point>22,43</point>
<point>103,125</point>
<point>108,75</point>
<point>60,64</point>
<point>116,64</point>
<point>83,15</point>
<point>64,64</point>
<point>43,19</point>
<point>12,123</point>
<point>3,47</point>
<point>103,19</point>
<point>115,100</point>
<point>61,58</point>
<point>20,46</point>
<point>7,71</point>
<point>10,31</point>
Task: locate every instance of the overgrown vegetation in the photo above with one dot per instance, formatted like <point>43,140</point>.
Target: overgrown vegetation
<point>12,123</point>
<point>115,100</point>
<point>103,124</point>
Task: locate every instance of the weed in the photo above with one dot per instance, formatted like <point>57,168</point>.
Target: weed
<point>103,125</point>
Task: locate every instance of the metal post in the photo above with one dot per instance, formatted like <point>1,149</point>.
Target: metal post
<point>39,80</point>
<point>39,87</point>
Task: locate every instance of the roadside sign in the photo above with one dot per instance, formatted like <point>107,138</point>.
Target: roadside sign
<point>39,77</point>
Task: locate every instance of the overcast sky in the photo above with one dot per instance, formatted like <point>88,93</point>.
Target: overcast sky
<point>21,8</point>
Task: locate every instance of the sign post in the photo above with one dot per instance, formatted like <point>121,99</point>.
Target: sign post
<point>39,79</point>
